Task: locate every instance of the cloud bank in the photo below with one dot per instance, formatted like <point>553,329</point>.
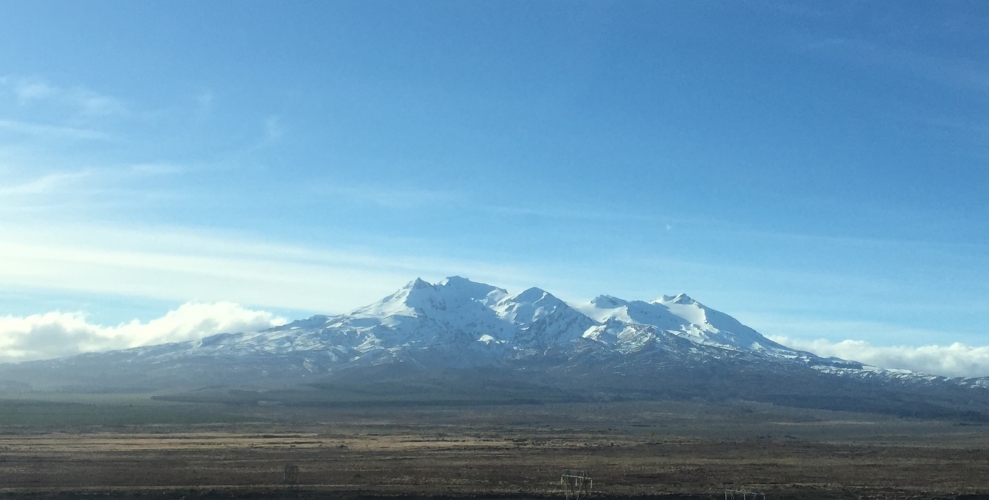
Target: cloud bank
<point>56,334</point>
<point>955,360</point>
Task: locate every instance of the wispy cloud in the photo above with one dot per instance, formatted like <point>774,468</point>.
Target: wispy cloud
<point>204,104</point>
<point>56,334</point>
<point>183,265</point>
<point>43,184</point>
<point>86,191</point>
<point>955,360</point>
<point>401,197</point>
<point>273,129</point>
<point>205,99</point>
<point>156,169</point>
<point>954,72</point>
<point>29,91</point>
<point>52,131</point>
<point>272,132</point>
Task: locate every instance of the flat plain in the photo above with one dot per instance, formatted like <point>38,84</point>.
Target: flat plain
<point>54,446</point>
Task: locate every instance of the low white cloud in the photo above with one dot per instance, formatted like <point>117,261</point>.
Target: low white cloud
<point>955,360</point>
<point>56,334</point>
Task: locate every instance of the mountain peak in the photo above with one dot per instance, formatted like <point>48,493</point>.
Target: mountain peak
<point>608,302</point>
<point>472,290</point>
<point>461,323</point>
<point>455,280</point>
<point>680,298</point>
<point>417,283</point>
<point>531,295</point>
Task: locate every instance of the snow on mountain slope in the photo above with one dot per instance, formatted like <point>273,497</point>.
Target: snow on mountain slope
<point>711,327</point>
<point>451,310</point>
<point>458,321</point>
<point>461,323</point>
<point>541,320</point>
<point>448,316</point>
<point>685,317</point>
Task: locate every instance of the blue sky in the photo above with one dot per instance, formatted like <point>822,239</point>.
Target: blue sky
<point>818,170</point>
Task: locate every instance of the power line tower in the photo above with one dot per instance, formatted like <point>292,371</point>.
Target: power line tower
<point>576,483</point>
<point>291,475</point>
<point>743,494</point>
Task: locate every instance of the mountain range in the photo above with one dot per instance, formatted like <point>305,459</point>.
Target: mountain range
<point>468,342</point>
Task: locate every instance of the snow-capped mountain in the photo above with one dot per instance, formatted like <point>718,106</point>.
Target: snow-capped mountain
<point>671,347</point>
<point>461,323</point>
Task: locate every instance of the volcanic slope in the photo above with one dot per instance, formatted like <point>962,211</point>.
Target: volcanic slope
<point>671,347</point>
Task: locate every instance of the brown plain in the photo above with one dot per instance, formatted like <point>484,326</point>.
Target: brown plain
<point>631,449</point>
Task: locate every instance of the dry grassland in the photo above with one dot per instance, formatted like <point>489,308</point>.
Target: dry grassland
<point>632,449</point>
